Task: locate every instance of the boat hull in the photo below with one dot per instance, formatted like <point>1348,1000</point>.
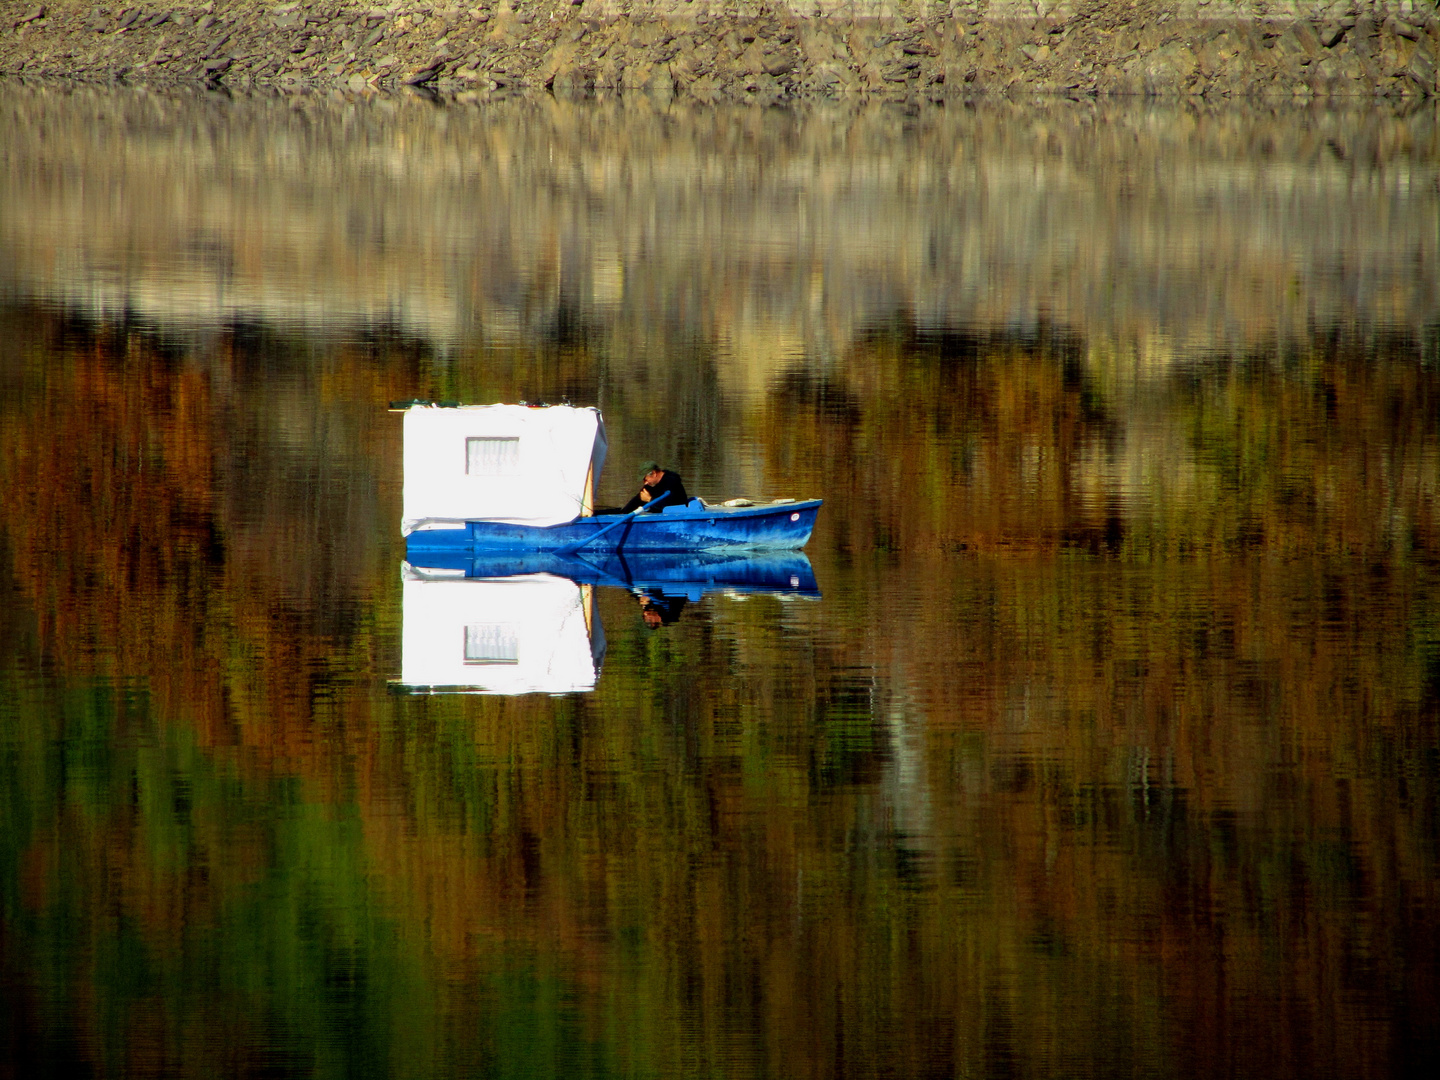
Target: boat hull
<point>785,527</point>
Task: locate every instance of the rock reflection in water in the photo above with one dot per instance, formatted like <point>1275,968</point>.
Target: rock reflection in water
<point>1111,749</point>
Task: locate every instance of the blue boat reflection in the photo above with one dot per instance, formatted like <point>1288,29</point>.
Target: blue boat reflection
<point>527,624</point>
<point>691,574</point>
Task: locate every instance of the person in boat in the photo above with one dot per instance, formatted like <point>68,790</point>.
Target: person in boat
<point>658,480</point>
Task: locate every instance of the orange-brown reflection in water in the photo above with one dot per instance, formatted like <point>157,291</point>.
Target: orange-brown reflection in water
<point>1111,746</point>
<point>988,441</point>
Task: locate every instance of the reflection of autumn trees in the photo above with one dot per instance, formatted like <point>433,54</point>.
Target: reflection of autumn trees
<point>754,875</point>
<point>992,442</point>
<point>156,515</point>
<point>954,442</point>
<point>1214,729</point>
<point>1117,719</point>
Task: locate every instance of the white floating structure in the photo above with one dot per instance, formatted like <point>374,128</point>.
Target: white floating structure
<point>517,479</point>
<point>533,634</point>
<point>503,463</point>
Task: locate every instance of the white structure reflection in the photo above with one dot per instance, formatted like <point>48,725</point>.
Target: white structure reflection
<point>530,634</point>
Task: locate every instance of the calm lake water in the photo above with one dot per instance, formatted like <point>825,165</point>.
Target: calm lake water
<point>1111,746</point>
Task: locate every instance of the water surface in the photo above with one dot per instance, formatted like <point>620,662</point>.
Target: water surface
<point>1110,746</point>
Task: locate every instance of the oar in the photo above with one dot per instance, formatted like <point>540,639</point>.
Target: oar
<point>570,549</point>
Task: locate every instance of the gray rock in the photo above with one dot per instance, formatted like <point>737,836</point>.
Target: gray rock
<point>373,38</point>
<point>1393,57</point>
<point>635,76</point>
<point>1402,28</point>
<point>571,82</point>
<point>425,74</point>
<point>1422,72</point>
<point>777,65</point>
<point>705,89</point>
<point>660,82</point>
<point>762,88</point>
<point>1169,67</point>
<point>1299,41</point>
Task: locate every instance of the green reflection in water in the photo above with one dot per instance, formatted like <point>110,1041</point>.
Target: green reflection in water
<point>169,911</point>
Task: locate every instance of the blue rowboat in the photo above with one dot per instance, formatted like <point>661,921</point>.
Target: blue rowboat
<point>516,479</point>
<point>695,527</point>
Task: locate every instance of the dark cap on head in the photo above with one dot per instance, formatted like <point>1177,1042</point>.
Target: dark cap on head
<point>647,467</point>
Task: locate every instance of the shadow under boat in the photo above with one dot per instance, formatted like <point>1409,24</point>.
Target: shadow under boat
<point>525,624</point>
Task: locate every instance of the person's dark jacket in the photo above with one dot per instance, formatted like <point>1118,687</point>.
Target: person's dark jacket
<point>670,482</point>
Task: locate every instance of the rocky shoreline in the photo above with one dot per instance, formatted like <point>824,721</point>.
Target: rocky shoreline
<point>761,52</point>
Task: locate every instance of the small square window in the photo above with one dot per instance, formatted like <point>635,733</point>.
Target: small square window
<point>492,457</point>
<point>492,643</point>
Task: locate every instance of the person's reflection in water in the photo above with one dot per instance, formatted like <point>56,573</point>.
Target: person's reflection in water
<point>660,610</point>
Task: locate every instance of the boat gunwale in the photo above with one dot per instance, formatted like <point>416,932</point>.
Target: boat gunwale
<point>681,513</point>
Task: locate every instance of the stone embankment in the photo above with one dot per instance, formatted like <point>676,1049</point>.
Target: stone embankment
<point>704,50</point>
